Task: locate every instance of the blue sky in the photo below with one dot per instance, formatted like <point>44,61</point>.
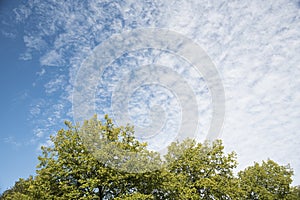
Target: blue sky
<point>254,45</point>
<point>17,78</point>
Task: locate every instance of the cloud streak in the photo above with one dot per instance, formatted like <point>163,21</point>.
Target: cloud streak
<point>254,45</point>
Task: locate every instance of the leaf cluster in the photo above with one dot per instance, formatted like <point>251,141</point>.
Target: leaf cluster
<point>101,161</point>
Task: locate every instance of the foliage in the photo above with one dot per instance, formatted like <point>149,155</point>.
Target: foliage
<point>266,181</point>
<point>70,171</point>
<point>101,161</point>
<point>205,172</point>
<point>20,191</point>
<point>294,193</point>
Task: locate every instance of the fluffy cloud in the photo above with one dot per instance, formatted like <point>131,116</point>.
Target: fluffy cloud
<point>254,45</point>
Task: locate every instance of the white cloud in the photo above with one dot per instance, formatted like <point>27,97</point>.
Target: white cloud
<point>55,84</point>
<point>52,58</point>
<point>42,72</point>
<point>25,56</point>
<point>11,140</point>
<point>47,143</point>
<point>254,44</point>
<point>22,13</point>
<point>39,132</point>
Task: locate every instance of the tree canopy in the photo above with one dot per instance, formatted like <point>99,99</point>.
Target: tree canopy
<point>101,161</point>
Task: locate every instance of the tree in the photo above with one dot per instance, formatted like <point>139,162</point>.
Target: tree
<point>19,191</point>
<point>69,170</point>
<point>98,160</point>
<point>203,170</point>
<point>294,193</point>
<point>266,181</point>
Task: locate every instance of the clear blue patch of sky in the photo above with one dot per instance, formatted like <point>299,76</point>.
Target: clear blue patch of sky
<point>18,155</point>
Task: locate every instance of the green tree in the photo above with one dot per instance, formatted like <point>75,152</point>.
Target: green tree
<point>135,196</point>
<point>20,191</point>
<point>98,160</point>
<point>69,170</point>
<point>203,171</point>
<point>266,181</point>
<point>294,193</point>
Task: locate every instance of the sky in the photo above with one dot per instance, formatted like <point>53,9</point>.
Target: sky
<point>254,45</point>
